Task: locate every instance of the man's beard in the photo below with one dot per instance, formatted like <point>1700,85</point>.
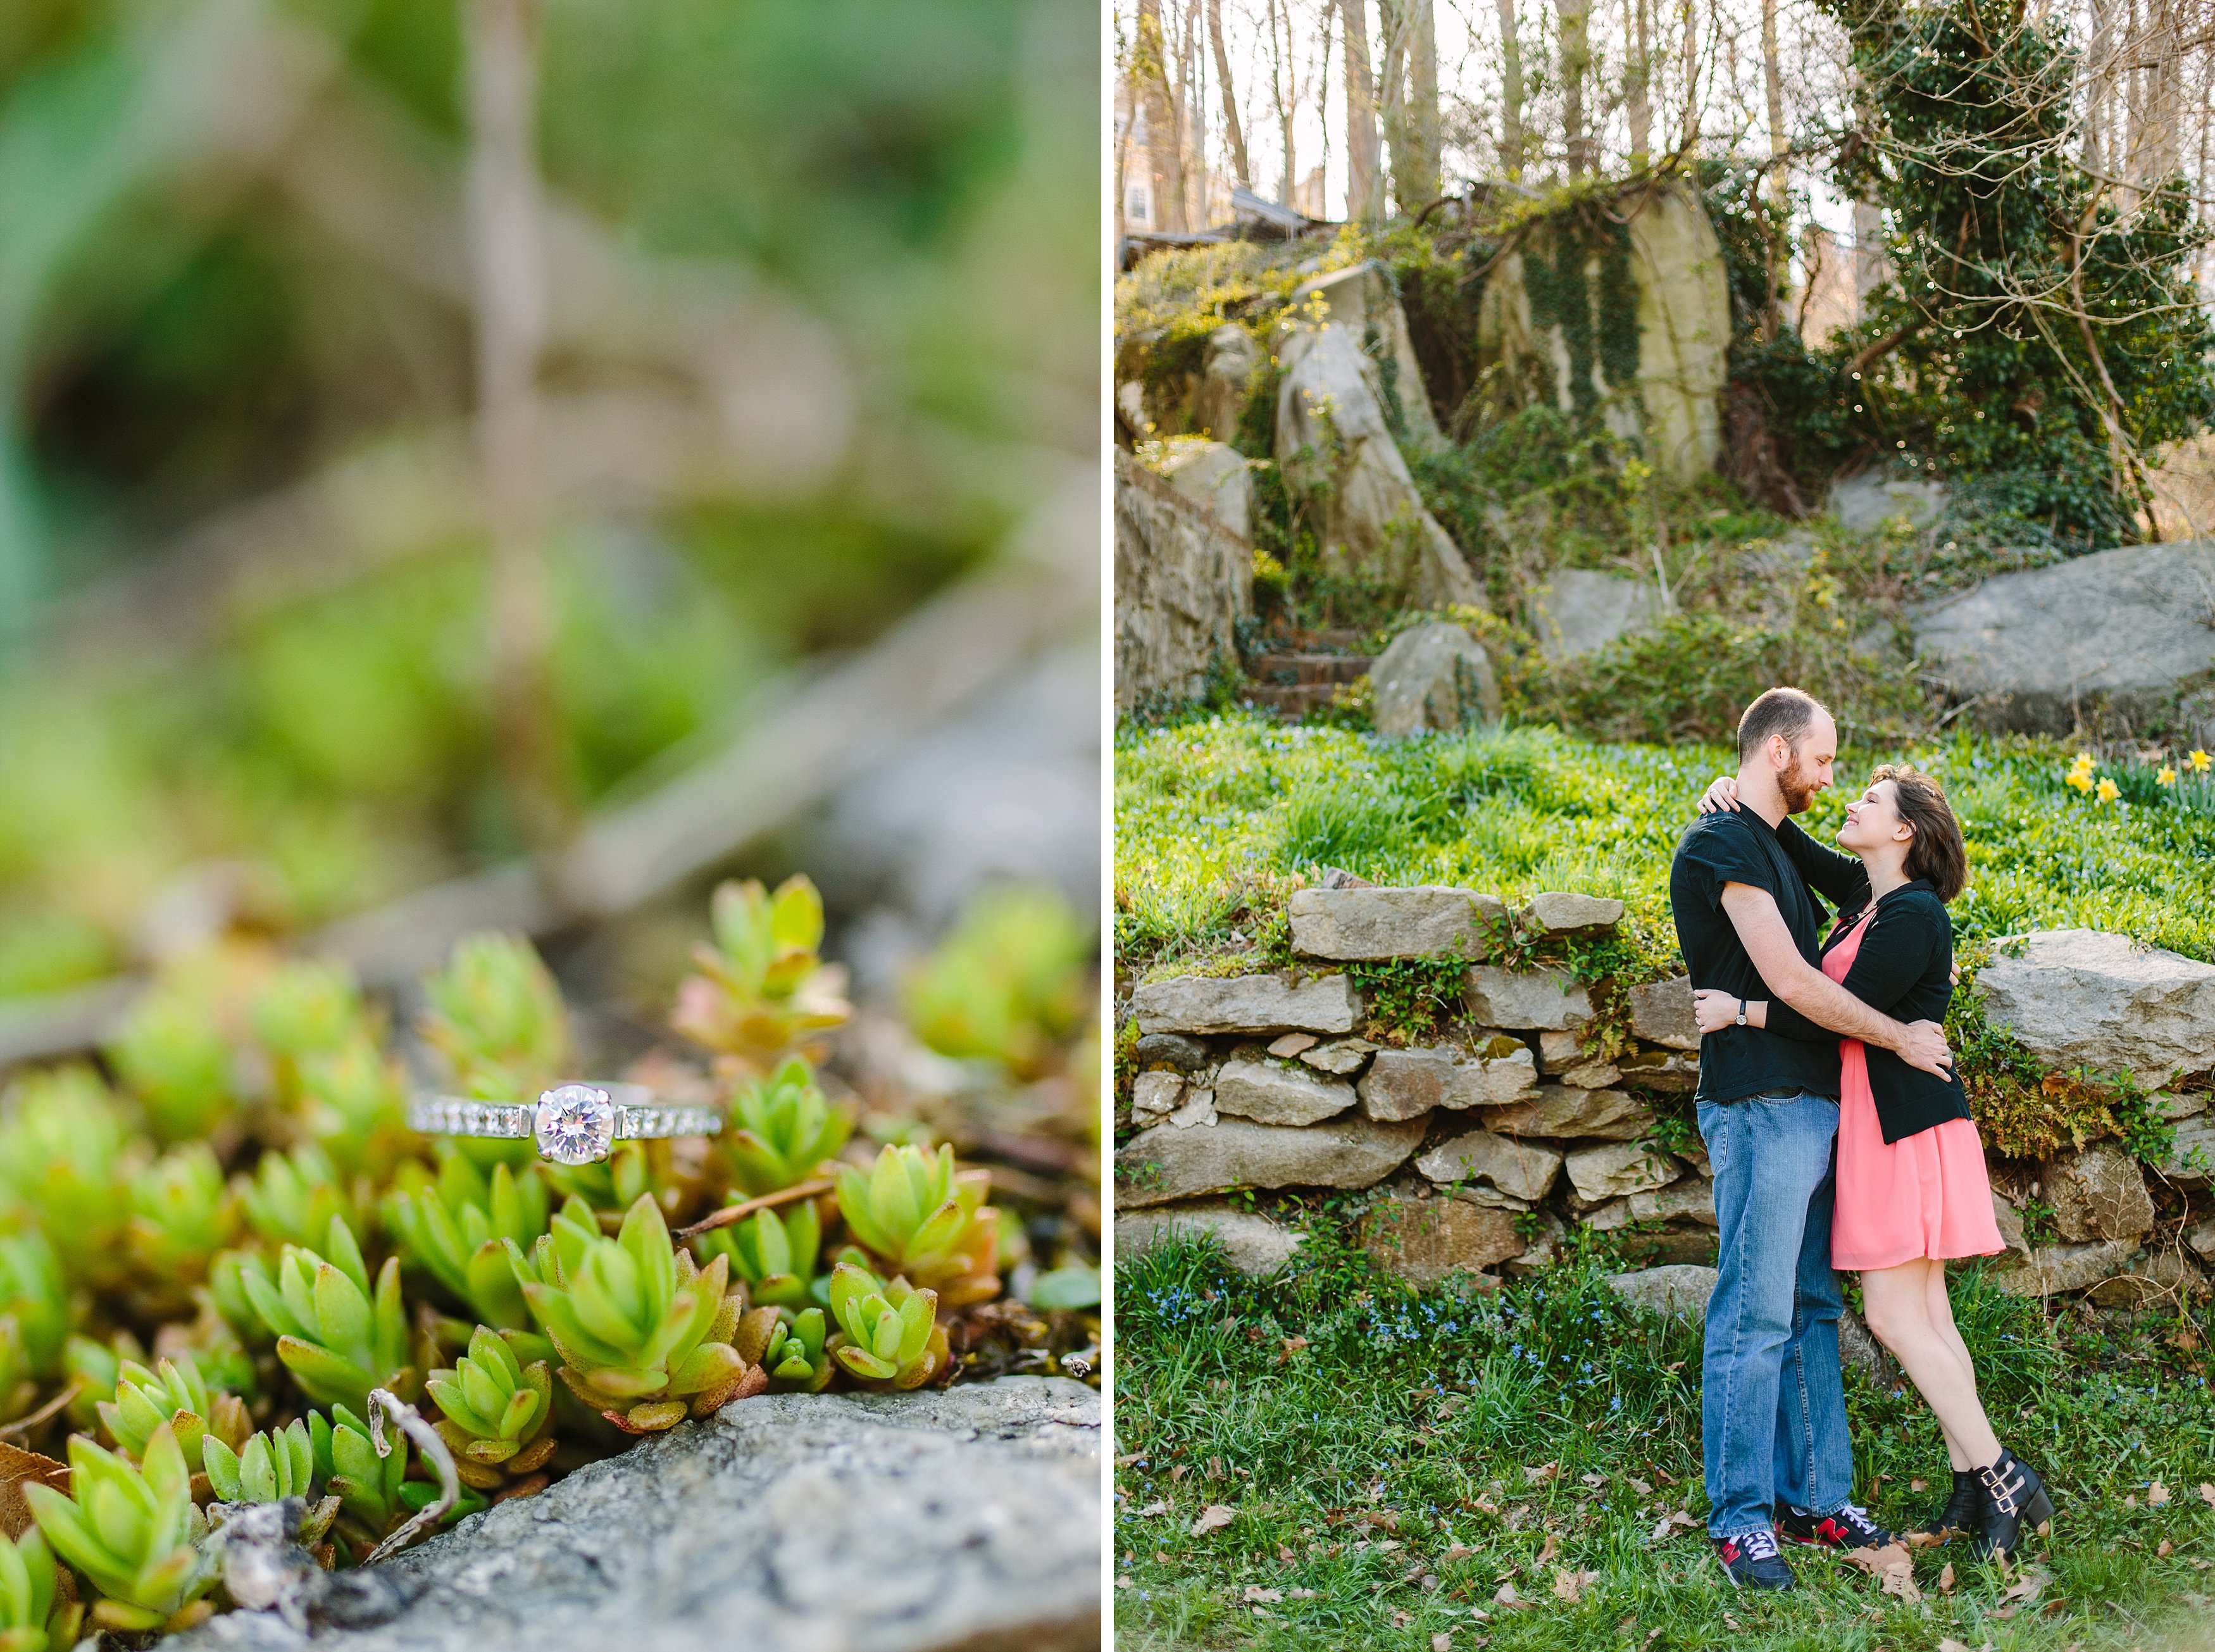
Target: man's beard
<point>1797,787</point>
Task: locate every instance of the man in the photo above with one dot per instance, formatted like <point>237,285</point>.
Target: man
<point>1773,1409</point>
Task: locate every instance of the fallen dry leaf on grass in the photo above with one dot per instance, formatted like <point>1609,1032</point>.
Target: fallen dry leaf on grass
<point>1441,1641</point>
<point>2020,1593</point>
<point>1505,1596</point>
<point>1256,1595</point>
<point>1551,1547</point>
<point>1542,1475</point>
<point>1213,1518</point>
<point>2207,1494</point>
<point>1661,1527</point>
<point>1571,1586</point>
<point>1950,1645</point>
<point>2157,1495</point>
<point>1918,1485</point>
<point>1945,1579</point>
<point>1892,1566</point>
<point>1921,1540</point>
<point>1455,1553</point>
<point>2165,1549</point>
<point>1149,1511</point>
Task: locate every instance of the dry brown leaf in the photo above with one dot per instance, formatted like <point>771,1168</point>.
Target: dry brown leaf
<point>1946,1578</point>
<point>17,1466</point>
<point>2026,1587</point>
<point>1921,1540</point>
<point>1640,1488</point>
<point>1150,1510</point>
<point>2207,1494</point>
<point>2130,1500</point>
<point>2157,1495</point>
<point>1551,1547</point>
<point>1892,1566</point>
<point>1918,1485</point>
<point>1542,1474</point>
<point>1485,1503</point>
<point>1480,1614</point>
<point>1256,1595</point>
<point>2165,1549</point>
<point>1455,1553</point>
<point>1570,1586</point>
<point>1213,1518</point>
<point>1950,1645</point>
<point>1505,1596</point>
<point>1442,1642</point>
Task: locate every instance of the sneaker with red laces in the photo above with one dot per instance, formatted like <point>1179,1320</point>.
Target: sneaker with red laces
<point>1750,1560</point>
<point>1845,1528</point>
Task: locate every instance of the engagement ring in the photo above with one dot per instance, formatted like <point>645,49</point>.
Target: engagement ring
<point>572,1124</point>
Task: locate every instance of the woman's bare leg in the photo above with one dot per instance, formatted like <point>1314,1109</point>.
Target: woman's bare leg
<point>1940,1308</point>
<point>1896,1302</point>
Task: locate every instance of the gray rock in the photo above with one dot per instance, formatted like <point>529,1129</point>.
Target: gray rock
<point>920,1522</point>
<point>2099,1193</point>
<point>1409,1084</point>
<point>2175,1107</point>
<point>1156,1095</point>
<point>1214,478</point>
<point>1545,1247</point>
<point>1427,1241</point>
<point>1554,912</point>
<point>1291,1044</point>
<point>1580,612</point>
<point>1254,1245</point>
<point>2009,1220</point>
<point>1619,1168</point>
<point>1165,1164</point>
<point>1665,1291</point>
<point>1862,502</point>
<point>1594,1075</point>
<point>1185,1054</point>
<point>2057,1268</point>
<point>2165,1279</point>
<point>2120,629</point>
<point>1362,299</point>
<point>1692,1200</point>
<point>1269,1094</point>
<point>1379,922</point>
<point>1558,1110</point>
<point>1518,1169</point>
<point>1182,583</point>
<point>2191,1160</point>
<point>1199,1108</point>
<point>1246,1004</point>
<point>1558,1052</point>
<point>2086,999</point>
<point>1433,676</point>
<point>1343,1058</point>
<point>1669,1071</point>
<point>1226,381</point>
<point>1661,1013</point>
<point>2202,1238</point>
<point>1545,998</point>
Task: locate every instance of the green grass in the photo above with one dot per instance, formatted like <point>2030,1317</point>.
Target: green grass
<point>1336,1413</point>
<point>1217,817</point>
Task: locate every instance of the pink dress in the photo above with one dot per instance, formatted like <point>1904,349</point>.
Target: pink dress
<point>1926,1194</point>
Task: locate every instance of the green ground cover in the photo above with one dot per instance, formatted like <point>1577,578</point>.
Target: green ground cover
<point>1390,1460</point>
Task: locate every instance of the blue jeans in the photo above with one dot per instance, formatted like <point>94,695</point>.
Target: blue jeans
<point>1773,1404</point>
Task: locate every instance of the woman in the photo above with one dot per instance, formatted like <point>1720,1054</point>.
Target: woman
<point>1912,1188</point>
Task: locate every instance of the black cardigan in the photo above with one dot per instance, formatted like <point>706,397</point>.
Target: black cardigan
<point>1904,968</point>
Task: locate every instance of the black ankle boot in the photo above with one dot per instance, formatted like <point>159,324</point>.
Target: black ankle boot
<point>2016,1502</point>
<point>1964,1510</point>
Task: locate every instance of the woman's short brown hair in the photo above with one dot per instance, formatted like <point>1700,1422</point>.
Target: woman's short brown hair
<point>1936,854</point>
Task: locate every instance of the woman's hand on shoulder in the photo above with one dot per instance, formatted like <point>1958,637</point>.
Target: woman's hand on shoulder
<point>1721,796</point>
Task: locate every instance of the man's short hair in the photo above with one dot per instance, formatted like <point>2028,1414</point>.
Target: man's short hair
<point>1786,711</point>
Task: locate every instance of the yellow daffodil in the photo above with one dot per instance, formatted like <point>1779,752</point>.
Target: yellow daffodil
<point>2083,760</point>
<point>2080,778</point>
<point>2199,761</point>
<point>2109,791</point>
<point>2166,776</point>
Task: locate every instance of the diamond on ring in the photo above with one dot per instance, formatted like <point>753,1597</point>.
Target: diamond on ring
<point>573,1124</point>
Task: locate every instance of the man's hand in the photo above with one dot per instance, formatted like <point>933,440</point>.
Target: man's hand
<point>1924,1046</point>
<point>1788,976</point>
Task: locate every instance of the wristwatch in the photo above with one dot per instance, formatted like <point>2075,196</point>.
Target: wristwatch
<point>1741,1012</point>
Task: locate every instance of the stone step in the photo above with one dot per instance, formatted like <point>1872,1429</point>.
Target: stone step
<point>1284,669</point>
<point>1291,701</point>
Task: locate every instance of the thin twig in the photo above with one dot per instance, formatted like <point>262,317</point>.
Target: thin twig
<point>24,1425</point>
<point>731,1213</point>
<point>382,1400</point>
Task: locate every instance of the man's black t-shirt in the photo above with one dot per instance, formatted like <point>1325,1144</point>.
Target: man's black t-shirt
<point>1738,846</point>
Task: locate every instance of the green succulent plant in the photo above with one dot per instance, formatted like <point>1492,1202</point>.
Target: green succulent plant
<point>353,1101</point>
<point>34,1299</point>
<point>926,1220</point>
<point>1008,986</point>
<point>794,1352</point>
<point>181,1214</point>
<point>498,1411</point>
<point>496,1014</point>
<point>774,1252</point>
<point>269,1468</point>
<point>643,1334</point>
<point>762,989</point>
<point>172,1055</point>
<point>132,1530</point>
<point>62,1160</point>
<point>307,1007</point>
<point>612,1184</point>
<point>338,1336</point>
<point>888,1333</point>
<point>175,1395</point>
<point>456,1227</point>
<point>35,1613</point>
<point>782,1130</point>
<point>366,1485</point>
<point>293,1198</point>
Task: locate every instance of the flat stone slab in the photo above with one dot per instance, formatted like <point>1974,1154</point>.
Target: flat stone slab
<point>1254,1244</point>
<point>1409,1084</point>
<point>1270,1094</point>
<point>2087,999</point>
<point>1523,1171</point>
<point>1246,1004</point>
<point>922,1522</point>
<point>1553,912</point>
<point>2054,1268</point>
<point>2099,1193</point>
<point>1381,922</point>
<point>1681,1289</point>
<point>1558,1110</point>
<point>1165,1164</point>
<point>1619,1168</point>
<point>1661,1013</point>
<point>1426,1241</point>
<point>1542,999</point>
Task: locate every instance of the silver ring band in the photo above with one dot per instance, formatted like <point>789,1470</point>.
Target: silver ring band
<point>572,1124</point>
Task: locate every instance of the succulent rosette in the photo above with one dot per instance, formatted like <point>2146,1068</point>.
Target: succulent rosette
<point>888,1334</point>
<point>496,1016</point>
<point>175,1395</point>
<point>457,1228</point>
<point>773,1252</point>
<point>926,1220</point>
<point>782,1130</point>
<point>762,989</point>
<point>181,1214</point>
<point>497,1412</point>
<point>62,1160</point>
<point>366,1484</point>
<point>292,1198</point>
<point>36,1612</point>
<point>338,1336</point>
<point>132,1530</point>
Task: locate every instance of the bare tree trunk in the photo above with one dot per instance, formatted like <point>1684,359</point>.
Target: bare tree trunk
<point>1365,192</point>
<point>1511,94</point>
<point>1772,76</point>
<point>1423,94</point>
<point>511,326</point>
<point>1575,63</point>
<point>1637,80</point>
<point>1234,130</point>
<point>1192,113</point>
<point>1284,93</point>
<point>1164,155</point>
<point>1690,134</point>
<point>1322,100</point>
<point>1392,28</point>
<point>2099,88</point>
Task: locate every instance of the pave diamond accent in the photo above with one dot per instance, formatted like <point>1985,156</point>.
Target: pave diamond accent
<point>572,1124</point>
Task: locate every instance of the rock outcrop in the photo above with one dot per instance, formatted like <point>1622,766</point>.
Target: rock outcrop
<point>1406,923</point>
<point>1226,381</point>
<point>1428,1242</point>
<point>1252,1244</point>
<point>1577,611</point>
<point>2086,999</point>
<point>1433,676</point>
<point>1363,300</point>
<point>1165,1164</point>
<point>1214,478</point>
<point>1183,582</point>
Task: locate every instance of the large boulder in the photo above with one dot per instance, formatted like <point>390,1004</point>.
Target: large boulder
<point>1556,912</point>
<point>1426,1241</point>
<point>1226,381</point>
<point>1409,1084</point>
<point>1665,1291</point>
<point>1213,476</point>
<point>1183,582</point>
<point>1525,998</point>
<point>1165,1164</point>
<point>1246,1004</point>
<point>2099,1193</point>
<point>1520,1172</point>
<point>1872,498</point>
<point>1577,611</point>
<point>1383,922</point>
<point>1269,1094</point>
<point>2122,629</point>
<point>1254,1244</point>
<point>920,1522</point>
<point>1363,300</point>
<point>1333,441</point>
<point>2086,999</point>
<point>1433,676</point>
<point>1560,1110</point>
